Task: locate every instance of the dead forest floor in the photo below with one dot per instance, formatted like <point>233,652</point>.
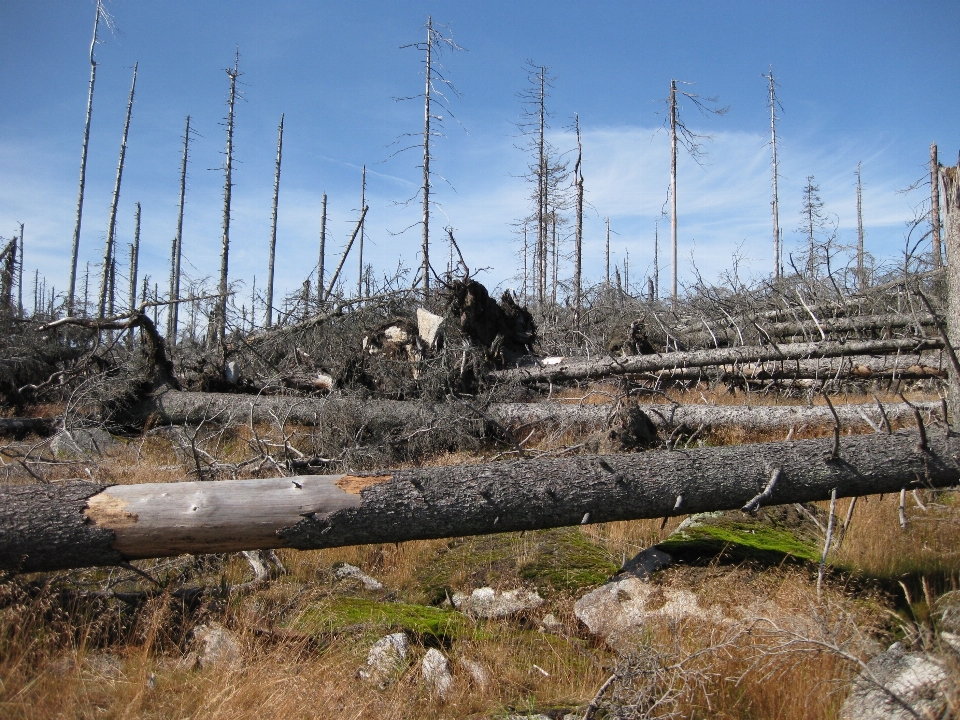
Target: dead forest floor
<point>760,642</point>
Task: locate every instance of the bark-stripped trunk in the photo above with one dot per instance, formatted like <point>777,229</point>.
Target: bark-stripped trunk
<point>75,248</point>
<point>273,225</point>
<point>578,236</point>
<point>951,202</point>
<point>775,202</point>
<point>108,252</point>
<point>176,252</point>
<point>346,251</point>
<point>427,96</point>
<point>134,261</point>
<point>323,252</point>
<point>363,203</point>
<point>219,324</point>
<point>673,192</point>
<point>76,524</point>
<point>861,271</point>
<point>565,369</point>
<point>937,252</point>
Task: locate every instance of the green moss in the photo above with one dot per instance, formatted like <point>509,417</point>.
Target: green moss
<point>560,559</point>
<point>739,541</point>
<point>348,612</point>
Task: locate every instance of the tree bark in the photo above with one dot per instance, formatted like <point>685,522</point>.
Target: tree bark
<point>188,408</point>
<point>568,369</point>
<point>951,201</point>
<point>273,226</point>
<point>77,524</point>
<point>935,208</point>
<point>176,252</point>
<point>219,324</point>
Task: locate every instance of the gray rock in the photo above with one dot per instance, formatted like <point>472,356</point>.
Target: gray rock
<point>386,659</point>
<point>549,623</point>
<point>646,562</point>
<point>946,612</point>
<point>478,673</point>
<point>894,679</point>
<point>437,677</point>
<point>215,645</point>
<point>342,571</point>
<point>488,603</point>
<point>83,443</point>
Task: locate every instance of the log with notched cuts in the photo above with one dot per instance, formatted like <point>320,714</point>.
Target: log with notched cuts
<point>76,524</point>
<point>566,369</point>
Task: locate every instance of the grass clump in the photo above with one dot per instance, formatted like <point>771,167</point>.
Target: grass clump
<point>344,613</point>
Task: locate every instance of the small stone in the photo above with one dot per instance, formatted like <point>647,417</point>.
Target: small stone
<point>82,442</point>
<point>386,659</point>
<point>477,672</point>
<point>436,673</point>
<point>342,571</point>
<point>918,679</point>
<point>216,646</point>
<point>488,603</point>
<point>549,623</point>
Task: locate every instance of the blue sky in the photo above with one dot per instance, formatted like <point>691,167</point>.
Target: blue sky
<point>865,82</point>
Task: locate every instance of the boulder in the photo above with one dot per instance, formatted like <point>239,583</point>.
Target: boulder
<point>488,603</point>
<point>437,676</point>
<point>898,685</point>
<point>214,645</point>
<point>386,659</point>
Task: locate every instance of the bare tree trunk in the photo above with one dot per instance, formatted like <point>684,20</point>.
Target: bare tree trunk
<point>108,251</point>
<point>219,325</point>
<point>775,203</point>
<point>77,524</point>
<point>951,201</point>
<point>673,192</point>
<point>542,191</point>
<point>607,252</point>
<point>176,252</point>
<point>427,96</point>
<point>323,251</point>
<point>363,204</point>
<point>566,369</point>
<point>656,260</point>
<point>861,271</point>
<point>273,225</point>
<point>346,251</point>
<point>578,237</point>
<point>134,260</point>
<point>20,281</point>
<point>935,207</point>
<point>83,165</point>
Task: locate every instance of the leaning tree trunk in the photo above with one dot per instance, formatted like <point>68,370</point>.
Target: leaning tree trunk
<point>559,369</point>
<point>77,524</point>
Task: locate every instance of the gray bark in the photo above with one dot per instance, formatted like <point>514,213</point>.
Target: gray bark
<point>567,369</point>
<point>673,192</point>
<point>427,96</point>
<point>176,251</point>
<point>346,251</point>
<point>937,252</point>
<point>323,251</point>
<point>220,319</point>
<point>775,202</point>
<point>75,524</point>
<point>951,201</point>
<point>106,282</point>
<point>578,236</point>
<point>189,408</point>
<point>273,225</point>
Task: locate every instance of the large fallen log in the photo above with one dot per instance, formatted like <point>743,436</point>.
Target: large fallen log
<point>808,329</point>
<point>570,369</point>
<point>184,408</point>
<point>77,524</point>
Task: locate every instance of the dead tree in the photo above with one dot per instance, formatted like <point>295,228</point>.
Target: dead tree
<point>8,271</point>
<point>951,201</point>
<point>273,225</point>
<point>83,158</point>
<point>176,252</point>
<point>346,251</point>
<point>692,142</point>
<point>861,270</point>
<point>775,202</point>
<point>108,251</point>
<point>134,260</point>
<point>219,324</point>
<point>76,524</point>
<point>811,220</point>
<point>363,203</point>
<point>578,235</point>
<point>936,250</point>
<point>323,251</point>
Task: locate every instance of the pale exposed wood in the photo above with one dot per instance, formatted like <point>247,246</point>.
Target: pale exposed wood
<point>273,226</point>
<point>568,369</point>
<point>47,527</point>
<point>176,252</point>
<point>951,202</point>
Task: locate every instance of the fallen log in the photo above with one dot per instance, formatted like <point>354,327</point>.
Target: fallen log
<point>78,524</point>
<point>184,408</point>
<point>570,369</point>
<point>21,427</point>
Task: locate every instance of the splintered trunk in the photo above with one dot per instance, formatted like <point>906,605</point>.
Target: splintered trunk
<point>861,270</point>
<point>363,203</point>
<point>951,201</point>
<point>219,325</point>
<point>578,236</point>
<point>427,96</point>
<point>935,208</point>
<point>775,203</point>
<point>76,524</point>
<point>673,192</point>
<point>83,166</point>
<point>273,225</point>
<point>134,260</point>
<point>176,252</point>
<point>323,251</point>
<point>108,252</point>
